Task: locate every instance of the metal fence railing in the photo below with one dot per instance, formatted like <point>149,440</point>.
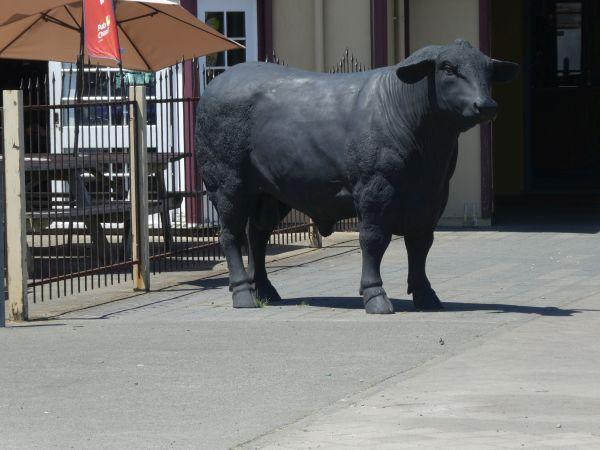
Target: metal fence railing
<point>348,64</point>
<point>76,183</point>
<point>184,233</point>
<point>77,155</point>
<point>184,227</point>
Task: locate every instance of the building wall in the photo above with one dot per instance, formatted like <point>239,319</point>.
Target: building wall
<point>441,22</point>
<point>294,32</point>
<point>347,25</point>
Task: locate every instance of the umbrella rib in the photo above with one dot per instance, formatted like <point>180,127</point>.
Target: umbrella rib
<point>73,17</point>
<point>56,21</point>
<point>135,47</point>
<point>20,35</point>
<point>215,33</point>
<point>154,13</point>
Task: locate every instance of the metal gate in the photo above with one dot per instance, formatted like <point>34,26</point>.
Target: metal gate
<point>79,203</point>
<point>78,182</point>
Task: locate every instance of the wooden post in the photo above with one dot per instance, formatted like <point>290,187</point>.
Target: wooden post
<point>138,175</point>
<point>2,287</point>
<point>314,237</point>
<point>14,177</point>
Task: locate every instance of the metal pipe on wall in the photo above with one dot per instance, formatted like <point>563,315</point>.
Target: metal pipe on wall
<point>319,36</point>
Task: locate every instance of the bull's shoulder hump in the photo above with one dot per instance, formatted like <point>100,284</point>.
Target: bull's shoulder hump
<point>256,75</point>
<point>270,69</point>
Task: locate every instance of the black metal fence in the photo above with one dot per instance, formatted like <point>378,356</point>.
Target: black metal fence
<point>184,225</point>
<point>184,228</point>
<point>348,64</point>
<point>78,211</point>
<point>78,180</point>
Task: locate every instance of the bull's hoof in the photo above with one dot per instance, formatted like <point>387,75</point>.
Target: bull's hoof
<point>244,299</point>
<point>377,301</point>
<point>425,299</point>
<point>266,291</point>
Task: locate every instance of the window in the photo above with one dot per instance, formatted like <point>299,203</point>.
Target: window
<point>233,25</point>
<point>568,41</point>
<point>103,85</point>
<point>236,19</point>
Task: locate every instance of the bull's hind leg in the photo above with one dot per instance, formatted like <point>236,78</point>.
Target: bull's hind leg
<point>260,227</point>
<point>424,297</point>
<point>233,213</point>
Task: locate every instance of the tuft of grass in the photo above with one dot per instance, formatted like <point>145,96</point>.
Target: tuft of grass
<point>262,302</point>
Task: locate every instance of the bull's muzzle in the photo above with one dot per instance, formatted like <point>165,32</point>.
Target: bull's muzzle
<point>487,109</point>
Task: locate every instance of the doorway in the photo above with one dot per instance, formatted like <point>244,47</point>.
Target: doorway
<point>546,140</point>
<point>565,96</point>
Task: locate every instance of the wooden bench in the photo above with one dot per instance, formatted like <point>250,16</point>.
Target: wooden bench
<point>94,208</point>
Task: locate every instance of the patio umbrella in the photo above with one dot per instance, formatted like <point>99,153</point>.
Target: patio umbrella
<point>153,34</point>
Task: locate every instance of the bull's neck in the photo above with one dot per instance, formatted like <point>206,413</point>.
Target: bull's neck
<point>410,117</point>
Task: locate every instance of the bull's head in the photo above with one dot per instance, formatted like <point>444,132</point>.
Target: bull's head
<point>462,76</point>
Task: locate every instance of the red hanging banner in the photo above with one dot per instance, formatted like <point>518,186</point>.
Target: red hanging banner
<point>101,36</point>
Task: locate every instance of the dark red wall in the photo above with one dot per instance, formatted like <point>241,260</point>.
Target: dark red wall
<point>379,39</point>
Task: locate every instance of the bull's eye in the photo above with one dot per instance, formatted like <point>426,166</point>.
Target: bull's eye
<point>449,68</point>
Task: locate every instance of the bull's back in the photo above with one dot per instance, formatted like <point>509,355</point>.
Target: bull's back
<point>291,124</point>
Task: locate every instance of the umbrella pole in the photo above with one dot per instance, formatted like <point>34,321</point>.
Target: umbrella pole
<point>79,91</point>
<point>122,78</point>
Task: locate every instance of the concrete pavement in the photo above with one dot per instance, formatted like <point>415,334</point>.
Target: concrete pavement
<point>514,355</point>
<point>535,385</point>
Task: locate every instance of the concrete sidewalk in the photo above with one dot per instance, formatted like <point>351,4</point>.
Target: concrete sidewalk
<point>536,385</point>
<point>516,351</point>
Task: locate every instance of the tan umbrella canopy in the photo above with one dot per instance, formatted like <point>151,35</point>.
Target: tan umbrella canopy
<point>153,34</point>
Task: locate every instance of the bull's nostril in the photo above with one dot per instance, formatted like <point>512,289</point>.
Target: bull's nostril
<point>487,108</point>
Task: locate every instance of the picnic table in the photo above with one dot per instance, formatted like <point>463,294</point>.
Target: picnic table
<point>95,207</point>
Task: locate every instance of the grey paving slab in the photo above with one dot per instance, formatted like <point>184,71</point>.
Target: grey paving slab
<point>180,368</point>
<point>535,386</point>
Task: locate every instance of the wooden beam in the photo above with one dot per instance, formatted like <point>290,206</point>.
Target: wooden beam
<point>138,175</point>
<point>14,176</point>
<point>2,253</point>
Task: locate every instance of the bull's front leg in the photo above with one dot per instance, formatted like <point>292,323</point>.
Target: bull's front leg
<point>374,240</point>
<point>424,297</point>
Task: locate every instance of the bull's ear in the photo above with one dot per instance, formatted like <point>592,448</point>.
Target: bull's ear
<point>504,71</point>
<point>411,72</point>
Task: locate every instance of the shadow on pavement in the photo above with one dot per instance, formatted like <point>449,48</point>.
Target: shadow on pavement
<point>407,305</point>
<point>32,324</point>
<point>210,283</point>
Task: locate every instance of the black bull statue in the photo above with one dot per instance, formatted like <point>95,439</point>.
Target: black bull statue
<point>381,145</point>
